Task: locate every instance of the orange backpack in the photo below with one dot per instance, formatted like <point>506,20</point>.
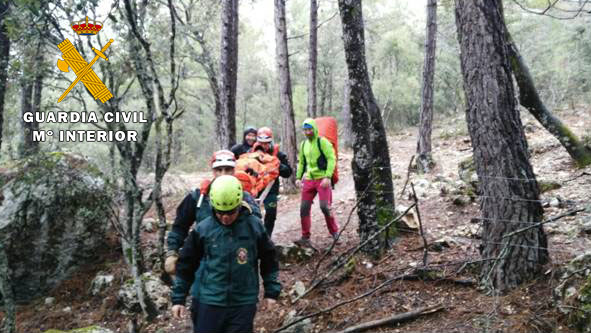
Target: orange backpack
<point>265,167</point>
<point>327,128</point>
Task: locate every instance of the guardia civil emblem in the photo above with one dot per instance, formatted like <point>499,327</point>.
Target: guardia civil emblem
<point>83,70</point>
<point>242,256</point>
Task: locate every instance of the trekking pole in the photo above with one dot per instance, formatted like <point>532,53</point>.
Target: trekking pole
<point>200,200</point>
<point>266,191</point>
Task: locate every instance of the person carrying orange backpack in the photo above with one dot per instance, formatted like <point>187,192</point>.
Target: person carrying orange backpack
<point>265,144</point>
<point>196,207</point>
<point>316,165</point>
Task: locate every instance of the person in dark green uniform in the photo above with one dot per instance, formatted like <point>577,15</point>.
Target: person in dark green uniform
<point>219,264</point>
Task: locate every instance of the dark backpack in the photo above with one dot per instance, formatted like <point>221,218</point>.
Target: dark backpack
<point>321,162</point>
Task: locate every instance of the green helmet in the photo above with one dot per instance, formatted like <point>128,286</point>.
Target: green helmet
<point>225,193</point>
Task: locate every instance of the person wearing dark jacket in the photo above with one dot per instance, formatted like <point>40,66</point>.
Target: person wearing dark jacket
<point>196,207</point>
<point>265,143</point>
<point>248,140</point>
<point>219,264</point>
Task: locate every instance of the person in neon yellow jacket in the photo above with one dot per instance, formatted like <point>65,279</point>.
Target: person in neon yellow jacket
<point>316,164</point>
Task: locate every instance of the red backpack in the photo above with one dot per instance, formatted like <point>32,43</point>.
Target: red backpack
<point>327,128</point>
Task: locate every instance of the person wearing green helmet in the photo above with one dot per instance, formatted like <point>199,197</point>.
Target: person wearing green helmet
<point>195,207</point>
<point>219,264</point>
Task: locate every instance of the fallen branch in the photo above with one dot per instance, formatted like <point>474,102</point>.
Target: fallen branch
<point>570,212</point>
<point>425,244</point>
<point>334,242</point>
<point>407,176</point>
<point>330,308</point>
<point>339,263</point>
<point>394,319</point>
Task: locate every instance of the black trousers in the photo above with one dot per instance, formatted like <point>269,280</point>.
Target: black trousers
<point>218,319</point>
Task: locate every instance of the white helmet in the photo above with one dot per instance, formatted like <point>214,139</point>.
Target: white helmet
<point>223,158</point>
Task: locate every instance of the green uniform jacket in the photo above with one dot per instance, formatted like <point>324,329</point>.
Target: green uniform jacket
<point>187,213</point>
<point>309,150</point>
<point>222,263</point>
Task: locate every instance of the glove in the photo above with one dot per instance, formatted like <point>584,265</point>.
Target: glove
<point>170,264</point>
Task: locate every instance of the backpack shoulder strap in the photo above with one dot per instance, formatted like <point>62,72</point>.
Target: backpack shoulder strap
<point>303,154</point>
<point>320,147</point>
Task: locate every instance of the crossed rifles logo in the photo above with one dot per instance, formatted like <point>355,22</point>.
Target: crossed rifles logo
<point>73,59</point>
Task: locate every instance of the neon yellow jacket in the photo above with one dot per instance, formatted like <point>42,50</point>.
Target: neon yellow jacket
<point>310,153</point>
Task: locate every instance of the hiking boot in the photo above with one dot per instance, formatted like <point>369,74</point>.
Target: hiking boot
<point>304,242</point>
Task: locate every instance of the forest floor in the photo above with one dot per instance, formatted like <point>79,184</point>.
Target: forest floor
<point>453,226</point>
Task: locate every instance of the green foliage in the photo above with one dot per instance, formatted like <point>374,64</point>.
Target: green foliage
<point>581,317</point>
<point>557,52</point>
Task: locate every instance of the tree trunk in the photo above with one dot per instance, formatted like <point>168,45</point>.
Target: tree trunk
<point>38,88</point>
<point>228,73</point>
<point>4,56</point>
<point>8,323</point>
<point>346,117</point>
<point>530,99</point>
<point>424,157</point>
<point>27,146</point>
<point>205,59</point>
<point>131,155</point>
<point>359,79</point>
<point>312,58</point>
<point>362,163</point>
<point>329,90</point>
<point>31,93</point>
<point>289,145</point>
<point>510,195</point>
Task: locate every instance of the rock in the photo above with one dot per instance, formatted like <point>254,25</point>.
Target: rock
<point>292,253</point>
<point>573,293</point>
<point>466,231</point>
<point>158,292</point>
<point>410,220</point>
<point>67,309</point>
<point>54,212</point>
<point>441,243</point>
<point>304,326</point>
<point>90,329</point>
<point>50,301</point>
<point>460,200</point>
<point>100,283</point>
<point>149,225</point>
<point>529,127</point>
<point>555,202</point>
<point>586,227</point>
<point>298,288</point>
<point>466,168</point>
<point>422,183</point>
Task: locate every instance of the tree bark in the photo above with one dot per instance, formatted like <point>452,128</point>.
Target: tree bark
<point>530,99</point>
<point>4,57</point>
<point>362,163</point>
<point>510,195</point>
<point>228,73</point>
<point>312,58</point>
<point>346,117</point>
<point>289,145</point>
<point>424,157</point>
<point>205,59</point>
<point>27,147</point>
<point>359,79</point>
<point>132,153</point>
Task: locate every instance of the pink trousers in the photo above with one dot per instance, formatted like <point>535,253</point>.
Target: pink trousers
<point>309,190</point>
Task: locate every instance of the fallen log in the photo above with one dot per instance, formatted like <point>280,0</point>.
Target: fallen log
<point>393,319</point>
